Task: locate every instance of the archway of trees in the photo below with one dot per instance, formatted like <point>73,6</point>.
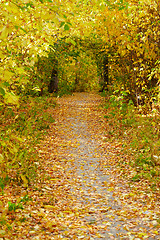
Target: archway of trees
<point>72,65</point>
<point>81,39</point>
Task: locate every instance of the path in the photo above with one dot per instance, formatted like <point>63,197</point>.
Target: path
<point>83,128</point>
<point>80,129</point>
<point>80,197</point>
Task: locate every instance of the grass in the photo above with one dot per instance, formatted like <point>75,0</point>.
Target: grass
<point>21,130</point>
<point>140,138</point>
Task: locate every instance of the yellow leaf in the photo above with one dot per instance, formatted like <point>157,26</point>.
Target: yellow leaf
<point>110,189</point>
<point>51,224</point>
<point>129,47</point>
<point>24,179</point>
<point>11,98</point>
<point>105,183</point>
<point>54,179</point>
<point>49,207</point>
<point>4,33</point>
<point>1,158</point>
<point>7,75</point>
<point>155,232</point>
<point>123,53</point>
<point>142,235</point>
<point>2,55</point>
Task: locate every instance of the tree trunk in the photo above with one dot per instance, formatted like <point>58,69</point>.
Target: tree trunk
<point>105,73</point>
<point>53,85</point>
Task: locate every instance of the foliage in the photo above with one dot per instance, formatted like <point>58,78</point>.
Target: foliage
<point>26,33</point>
<point>117,28</point>
<point>21,130</point>
<point>133,47</point>
<point>139,135</point>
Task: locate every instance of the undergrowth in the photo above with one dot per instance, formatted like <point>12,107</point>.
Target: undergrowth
<point>139,136</point>
<point>21,129</point>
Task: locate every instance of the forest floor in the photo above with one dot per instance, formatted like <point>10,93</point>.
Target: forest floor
<point>81,193</point>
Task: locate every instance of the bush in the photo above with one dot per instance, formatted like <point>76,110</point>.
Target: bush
<point>139,135</point>
<point>21,130</point>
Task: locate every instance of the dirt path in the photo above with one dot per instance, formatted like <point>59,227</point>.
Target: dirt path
<point>81,197</point>
<point>82,146</point>
<point>83,128</point>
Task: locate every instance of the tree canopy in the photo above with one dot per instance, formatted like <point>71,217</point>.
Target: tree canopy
<point>77,33</point>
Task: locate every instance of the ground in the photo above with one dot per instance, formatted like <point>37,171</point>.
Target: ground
<point>81,193</point>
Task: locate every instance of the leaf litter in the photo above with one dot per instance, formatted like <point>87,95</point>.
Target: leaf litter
<point>81,193</point>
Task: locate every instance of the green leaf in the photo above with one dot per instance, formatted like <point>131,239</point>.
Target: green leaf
<point>16,27</point>
<point>73,42</point>
<point>23,29</point>
<point>6,84</point>
<point>24,179</point>
<point>66,27</point>
<point>62,23</point>
<point>2,91</point>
